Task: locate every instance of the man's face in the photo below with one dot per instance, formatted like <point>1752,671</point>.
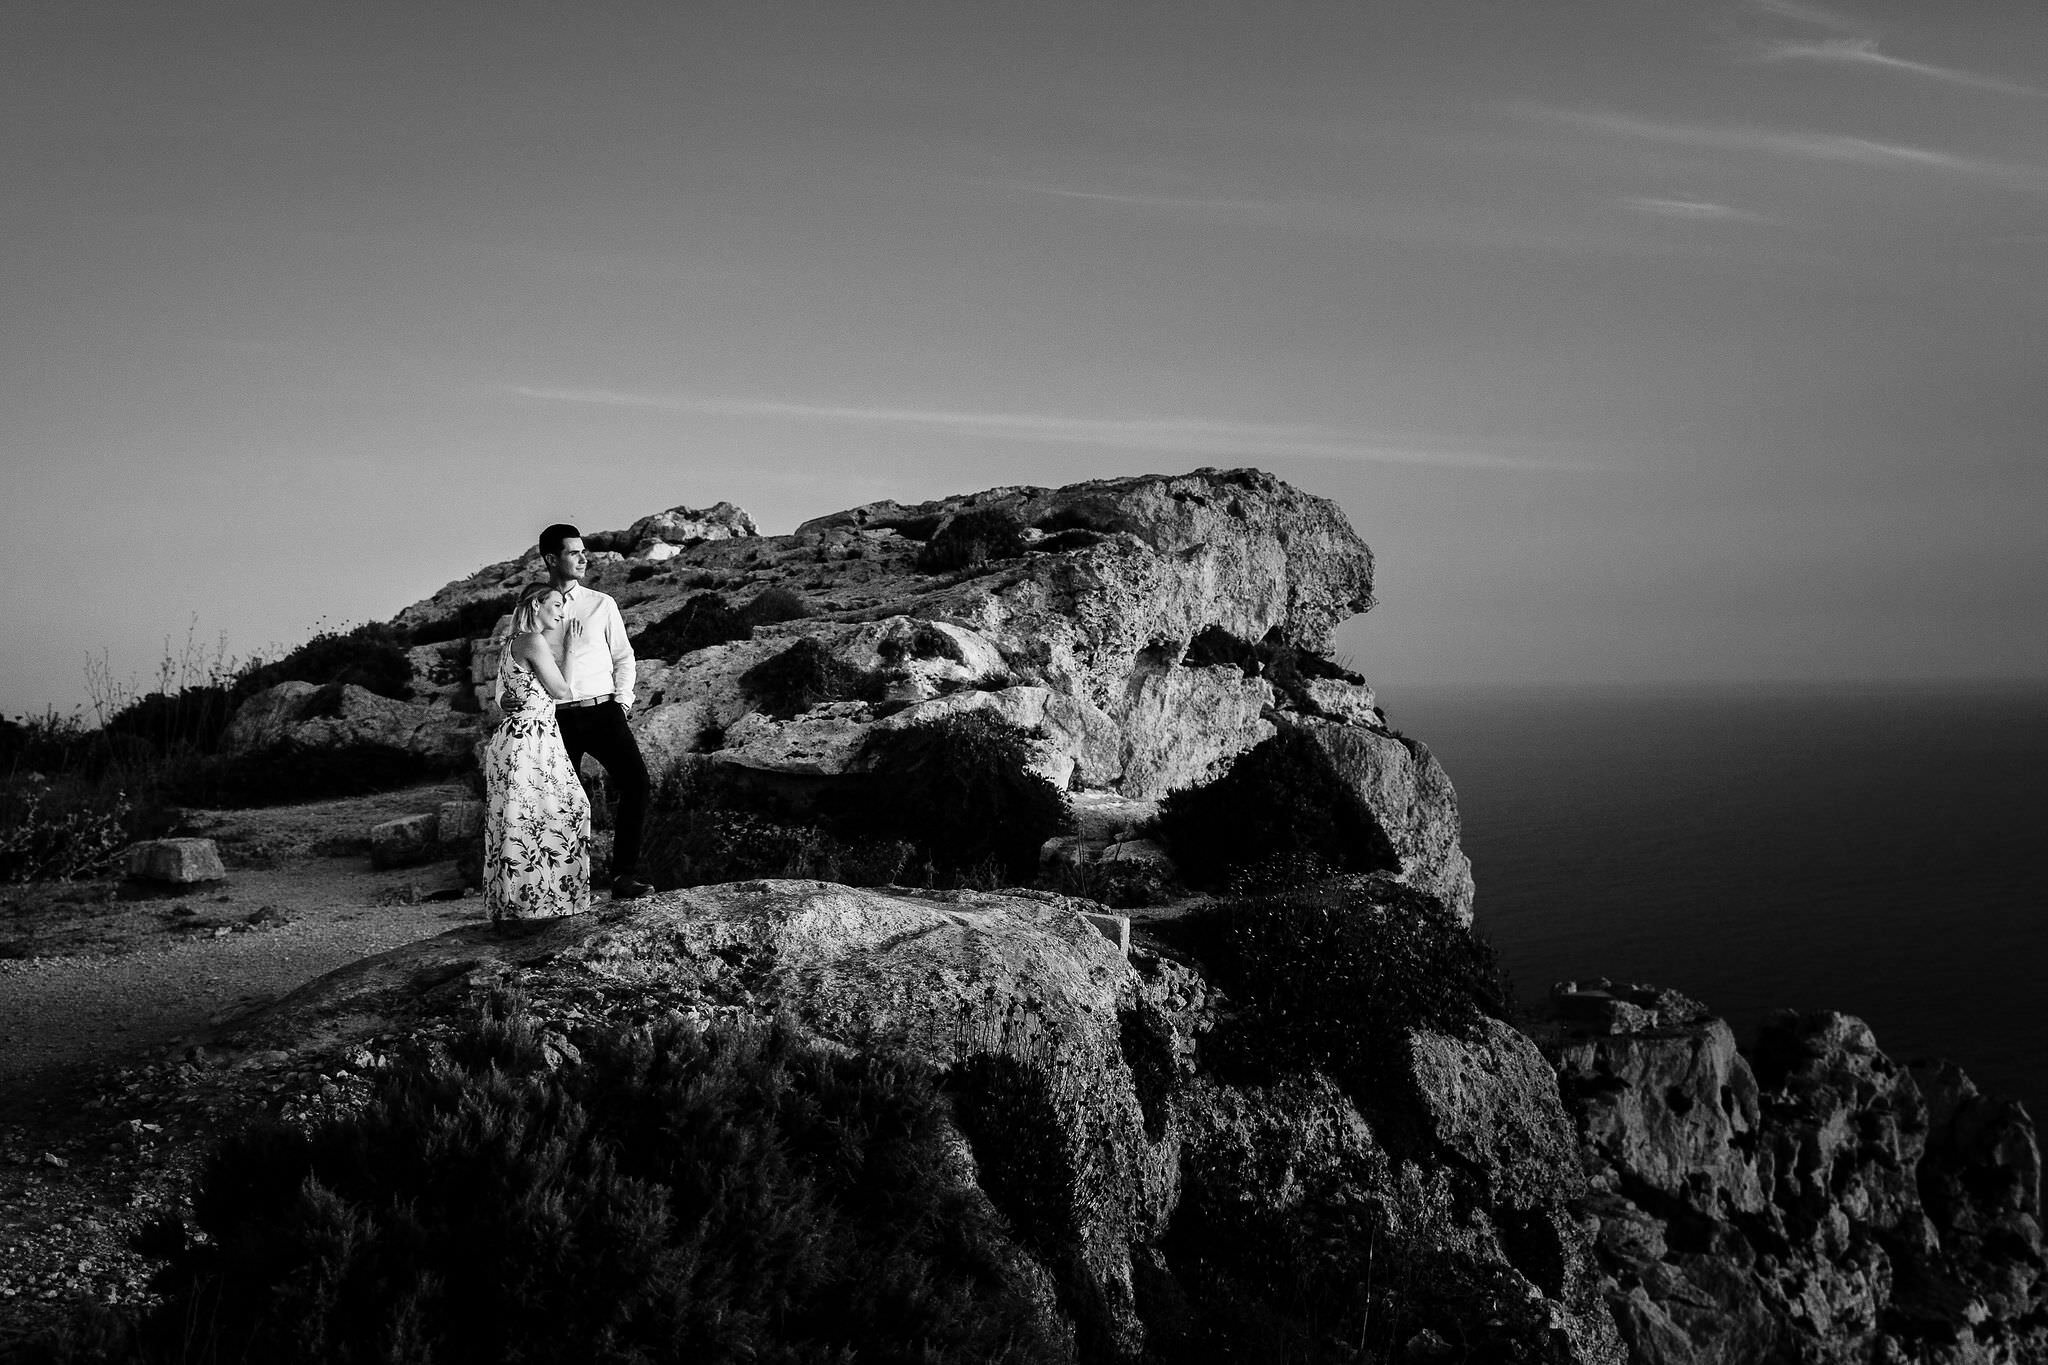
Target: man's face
<point>570,564</point>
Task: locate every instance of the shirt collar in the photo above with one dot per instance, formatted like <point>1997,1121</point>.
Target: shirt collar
<point>571,592</point>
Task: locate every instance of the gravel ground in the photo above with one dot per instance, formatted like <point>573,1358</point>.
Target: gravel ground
<point>108,1096</point>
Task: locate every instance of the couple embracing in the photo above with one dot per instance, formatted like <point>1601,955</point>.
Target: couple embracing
<point>565,683</point>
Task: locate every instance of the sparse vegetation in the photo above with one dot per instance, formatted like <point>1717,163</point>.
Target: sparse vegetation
<point>474,620</point>
<point>57,831</point>
<point>805,675</point>
<point>701,622</point>
<point>971,539</point>
<point>704,828</point>
<point>1281,799</point>
<point>371,656</point>
<point>1334,975</point>
<point>775,604</point>
<point>1286,665</point>
<point>675,1195</point>
<point>960,786</point>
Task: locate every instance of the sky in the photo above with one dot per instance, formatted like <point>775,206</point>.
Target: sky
<point>1644,342</point>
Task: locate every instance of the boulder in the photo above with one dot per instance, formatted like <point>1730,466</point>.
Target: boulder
<point>459,821</point>
<point>406,842</point>
<point>680,525</point>
<point>177,862</point>
<point>1411,798</point>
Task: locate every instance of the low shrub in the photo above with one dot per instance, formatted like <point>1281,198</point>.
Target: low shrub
<point>474,620</point>
<point>192,717</point>
<point>805,675</point>
<point>1281,799</point>
<point>1333,976</point>
<point>62,828</point>
<point>640,573</point>
<point>1007,1107</point>
<point>971,539</point>
<point>925,641</point>
<point>960,786</point>
<point>775,604</point>
<point>49,744</point>
<point>1118,885</point>
<point>701,622</point>
<point>1146,1040</point>
<point>703,829</point>
<point>1288,666</point>
<point>1353,1267</point>
<point>289,774</point>
<point>370,656</point>
<point>1004,1106</point>
<point>676,1195</point>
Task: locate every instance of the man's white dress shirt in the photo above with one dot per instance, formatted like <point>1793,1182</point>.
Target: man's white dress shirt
<point>601,660</point>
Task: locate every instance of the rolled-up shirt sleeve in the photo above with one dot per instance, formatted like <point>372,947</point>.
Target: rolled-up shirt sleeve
<point>622,654</point>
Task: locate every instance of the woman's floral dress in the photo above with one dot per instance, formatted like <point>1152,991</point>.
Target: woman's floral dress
<point>537,821</point>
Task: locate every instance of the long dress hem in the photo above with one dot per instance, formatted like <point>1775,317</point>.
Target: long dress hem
<point>537,818</point>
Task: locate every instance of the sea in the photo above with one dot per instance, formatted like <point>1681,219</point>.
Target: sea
<point>1882,851</point>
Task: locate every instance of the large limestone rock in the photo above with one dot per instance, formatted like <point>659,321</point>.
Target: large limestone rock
<point>1805,1202</point>
<point>1083,638</point>
<point>1166,1157</point>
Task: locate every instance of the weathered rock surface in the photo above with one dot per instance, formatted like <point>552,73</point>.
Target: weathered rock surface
<point>305,715</point>
<point>1808,1202</point>
<point>1166,1156</point>
<point>1083,638</point>
<point>176,862</point>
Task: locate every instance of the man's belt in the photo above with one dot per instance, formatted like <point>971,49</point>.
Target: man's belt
<point>586,701</point>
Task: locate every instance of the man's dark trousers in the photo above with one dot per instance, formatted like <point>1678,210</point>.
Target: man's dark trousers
<point>601,731</point>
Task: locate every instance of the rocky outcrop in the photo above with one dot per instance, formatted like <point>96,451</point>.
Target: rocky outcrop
<point>1083,636</point>
<point>1182,1184</point>
<point>303,715</point>
<point>1810,1201</point>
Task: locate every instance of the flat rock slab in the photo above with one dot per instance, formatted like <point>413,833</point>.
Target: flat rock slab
<point>180,862</point>
<point>459,821</point>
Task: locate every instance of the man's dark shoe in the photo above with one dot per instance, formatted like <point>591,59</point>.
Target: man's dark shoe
<point>629,889</point>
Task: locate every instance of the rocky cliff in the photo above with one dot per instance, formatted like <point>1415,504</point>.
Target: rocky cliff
<point>1611,1178</point>
<point>1807,1199</point>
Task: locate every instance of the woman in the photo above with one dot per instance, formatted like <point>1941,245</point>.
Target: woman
<point>537,822</point>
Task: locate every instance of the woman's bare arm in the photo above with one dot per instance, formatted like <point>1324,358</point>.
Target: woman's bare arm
<point>533,651</point>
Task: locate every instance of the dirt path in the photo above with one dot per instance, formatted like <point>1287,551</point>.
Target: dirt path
<point>98,987</point>
<point>125,977</point>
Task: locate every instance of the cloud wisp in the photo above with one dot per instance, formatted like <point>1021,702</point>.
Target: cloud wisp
<point>1862,51</point>
<point>1800,12</point>
<point>1690,210</point>
<point>1179,436</point>
<point>1804,146</point>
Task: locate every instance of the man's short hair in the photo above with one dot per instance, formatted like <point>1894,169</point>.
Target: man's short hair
<point>552,538</point>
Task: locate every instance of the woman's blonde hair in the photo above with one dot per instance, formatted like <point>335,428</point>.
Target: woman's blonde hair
<point>525,616</point>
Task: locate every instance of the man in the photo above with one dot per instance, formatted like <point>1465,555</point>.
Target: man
<point>597,663</point>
